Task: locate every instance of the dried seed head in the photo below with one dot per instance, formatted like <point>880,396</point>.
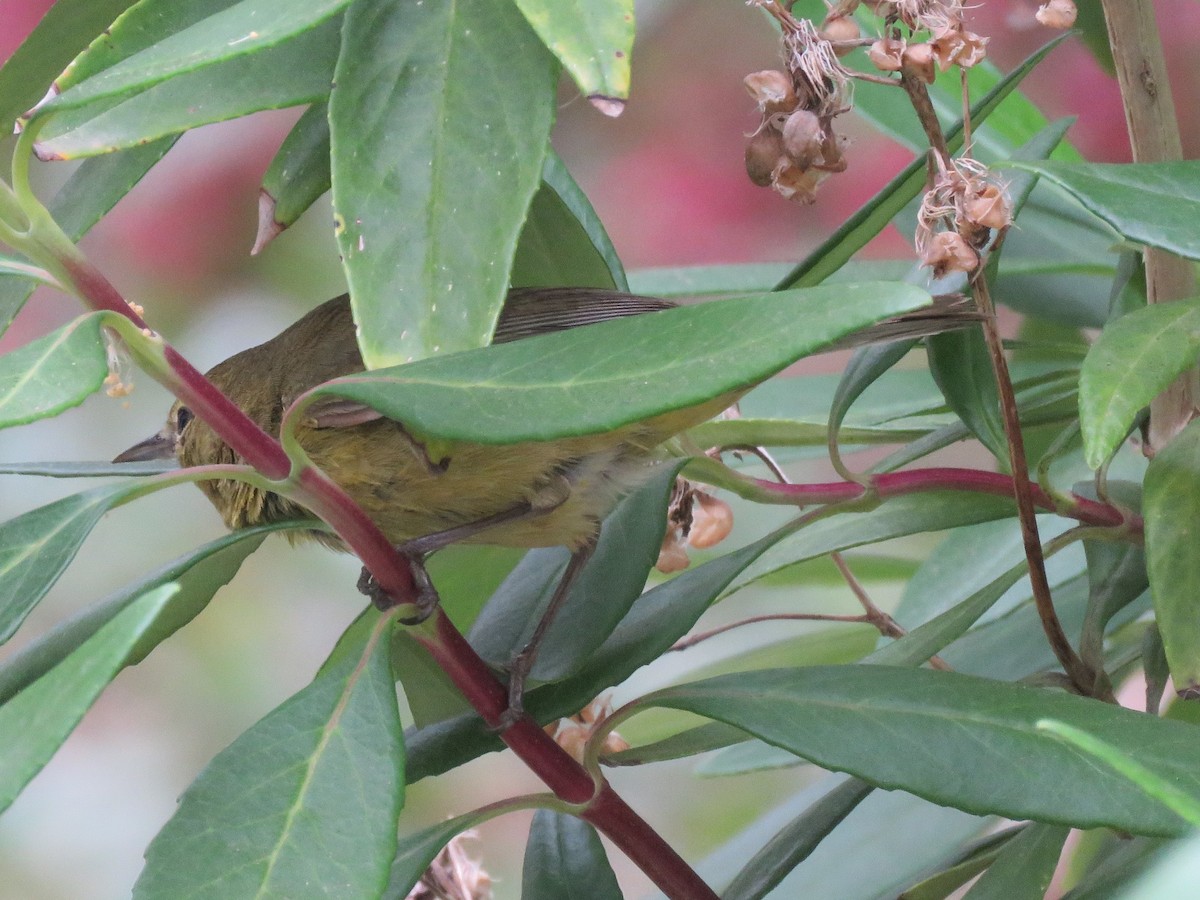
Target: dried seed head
<point>772,90</point>
<point>958,47</point>
<point>947,252</point>
<point>917,60</point>
<point>886,54</point>
<point>1057,13</point>
<point>802,136</point>
<point>712,520</point>
<point>763,154</point>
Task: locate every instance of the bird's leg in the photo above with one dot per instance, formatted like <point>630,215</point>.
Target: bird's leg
<point>522,662</point>
<point>419,548</point>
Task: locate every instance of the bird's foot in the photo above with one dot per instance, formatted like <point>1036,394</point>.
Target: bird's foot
<point>426,600</point>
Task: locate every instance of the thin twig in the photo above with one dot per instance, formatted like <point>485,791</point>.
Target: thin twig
<point>693,640</point>
<point>1080,674</point>
<point>887,626</point>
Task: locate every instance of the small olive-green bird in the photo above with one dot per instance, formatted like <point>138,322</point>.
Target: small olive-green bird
<point>541,494</point>
<point>536,494</point>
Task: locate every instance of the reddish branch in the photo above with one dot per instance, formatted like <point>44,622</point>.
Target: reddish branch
<point>604,808</point>
<point>917,481</point>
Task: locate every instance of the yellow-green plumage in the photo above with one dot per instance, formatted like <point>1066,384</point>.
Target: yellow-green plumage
<point>570,484</point>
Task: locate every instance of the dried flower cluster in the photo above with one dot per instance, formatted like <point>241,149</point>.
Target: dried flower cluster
<point>957,217</point>
<point>950,43</point>
<point>695,517</point>
<point>572,734</point>
<point>453,875</point>
<point>795,146</point>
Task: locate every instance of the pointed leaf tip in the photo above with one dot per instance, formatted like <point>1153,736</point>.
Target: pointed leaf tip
<point>268,227</point>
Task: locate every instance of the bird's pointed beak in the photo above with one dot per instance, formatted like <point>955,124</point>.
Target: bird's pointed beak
<point>160,446</point>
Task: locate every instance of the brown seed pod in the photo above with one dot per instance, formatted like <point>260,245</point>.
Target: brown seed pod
<point>837,28</point>
<point>917,60</point>
<point>988,208</point>
<point>772,90</point>
<point>712,520</point>
<point>672,557</point>
<point>794,183</point>
<point>763,152</point>
<point>885,54</point>
<point>1057,14</point>
<point>802,136</point>
<point>949,252</point>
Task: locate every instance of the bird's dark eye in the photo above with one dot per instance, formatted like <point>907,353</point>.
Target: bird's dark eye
<point>182,417</point>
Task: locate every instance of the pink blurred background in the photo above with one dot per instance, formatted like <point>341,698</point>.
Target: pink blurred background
<point>667,180</point>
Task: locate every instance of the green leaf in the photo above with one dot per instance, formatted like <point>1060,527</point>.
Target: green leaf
<point>867,365</point>
<point>1156,204</point>
<point>1133,360</point>
<point>792,844</point>
<point>1025,867</point>
<point>36,547</point>
<point>878,213</point>
<point>431,182</point>
<point>964,867</point>
<point>563,241</point>
<point>736,278</point>
<point>899,516</point>
<point>66,29</point>
<point>1171,504</point>
<point>245,28</point>
<point>52,373</point>
<point>906,836</point>
<point>927,640</point>
<point>297,176</point>
<point>144,24</point>
<point>297,70</point>
<point>1013,646</point>
<point>198,575</point>
<point>91,191</point>
<point>630,539</point>
<point>1172,874</point>
<point>693,741</point>
<point>564,858</point>
<point>961,366</point>
<point>303,804</point>
<point>593,39</point>
<point>974,556</point>
<point>38,720</point>
<point>1120,860</point>
<point>656,620</point>
<point>87,469</point>
<point>1116,577</point>
<point>1019,189</point>
<point>594,379</point>
<point>1186,804</point>
<point>939,722</point>
<point>743,757</point>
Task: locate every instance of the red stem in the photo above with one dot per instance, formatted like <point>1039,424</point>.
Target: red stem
<point>605,809</point>
<point>895,484</point>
